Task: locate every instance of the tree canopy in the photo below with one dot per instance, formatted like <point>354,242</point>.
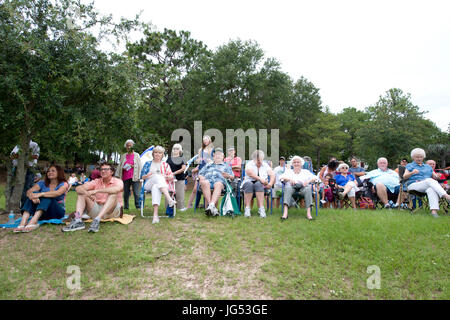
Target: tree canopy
<point>61,90</point>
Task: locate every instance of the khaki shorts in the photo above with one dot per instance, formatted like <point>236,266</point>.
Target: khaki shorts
<point>98,207</point>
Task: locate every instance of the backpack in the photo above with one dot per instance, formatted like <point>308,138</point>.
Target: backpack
<point>366,203</point>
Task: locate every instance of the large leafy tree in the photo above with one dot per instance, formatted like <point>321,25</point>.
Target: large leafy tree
<point>56,87</point>
<point>324,138</point>
<point>351,120</point>
<point>395,126</point>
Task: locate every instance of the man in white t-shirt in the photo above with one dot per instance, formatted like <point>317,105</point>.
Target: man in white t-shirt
<point>297,180</point>
<point>258,176</point>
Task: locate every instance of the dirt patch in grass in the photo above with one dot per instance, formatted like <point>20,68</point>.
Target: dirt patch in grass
<point>201,273</point>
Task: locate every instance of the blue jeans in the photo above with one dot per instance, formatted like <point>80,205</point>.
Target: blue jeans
<point>50,207</point>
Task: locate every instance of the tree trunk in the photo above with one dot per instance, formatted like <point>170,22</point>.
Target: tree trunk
<point>13,202</point>
<point>9,184</point>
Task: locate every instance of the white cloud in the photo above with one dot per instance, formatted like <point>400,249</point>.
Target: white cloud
<point>352,50</point>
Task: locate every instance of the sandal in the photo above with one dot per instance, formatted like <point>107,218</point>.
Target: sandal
<point>30,227</point>
<point>18,229</point>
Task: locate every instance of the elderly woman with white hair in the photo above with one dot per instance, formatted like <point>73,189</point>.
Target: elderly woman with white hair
<point>158,180</point>
<point>420,178</point>
<point>257,177</point>
<point>297,180</point>
<point>346,181</point>
<point>129,169</point>
<point>177,164</point>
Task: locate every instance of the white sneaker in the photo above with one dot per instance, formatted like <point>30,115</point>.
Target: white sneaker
<point>209,210</point>
<point>247,213</point>
<point>183,210</point>
<point>262,212</point>
<point>214,211</point>
<point>85,216</point>
<point>155,220</point>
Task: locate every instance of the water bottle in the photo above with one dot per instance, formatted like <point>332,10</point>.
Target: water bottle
<point>11,217</point>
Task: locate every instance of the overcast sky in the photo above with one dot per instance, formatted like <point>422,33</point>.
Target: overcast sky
<point>353,51</point>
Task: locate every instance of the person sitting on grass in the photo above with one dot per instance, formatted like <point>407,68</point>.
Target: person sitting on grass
<point>297,180</point>
<point>99,199</point>
<point>386,183</point>
<point>420,178</point>
<point>347,182</point>
<point>212,176</point>
<point>45,200</point>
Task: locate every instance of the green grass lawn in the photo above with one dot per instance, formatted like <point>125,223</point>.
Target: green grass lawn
<point>196,257</point>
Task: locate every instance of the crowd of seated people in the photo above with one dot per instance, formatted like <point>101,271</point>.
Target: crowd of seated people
<point>106,195</point>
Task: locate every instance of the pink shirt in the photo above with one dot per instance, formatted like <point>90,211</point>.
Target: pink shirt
<point>96,184</point>
<point>128,174</point>
<point>234,163</point>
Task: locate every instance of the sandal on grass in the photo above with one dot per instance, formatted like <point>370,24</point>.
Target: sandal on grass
<point>30,227</point>
<point>18,229</point>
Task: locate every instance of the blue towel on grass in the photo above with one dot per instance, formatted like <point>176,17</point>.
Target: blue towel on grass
<point>17,222</point>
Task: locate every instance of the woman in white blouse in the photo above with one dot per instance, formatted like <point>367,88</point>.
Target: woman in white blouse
<point>297,180</point>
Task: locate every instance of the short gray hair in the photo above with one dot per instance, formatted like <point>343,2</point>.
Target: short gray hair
<point>298,157</point>
<point>129,141</point>
<point>178,146</point>
<point>418,151</point>
<point>159,149</point>
<point>382,158</point>
<point>258,154</point>
<point>343,164</point>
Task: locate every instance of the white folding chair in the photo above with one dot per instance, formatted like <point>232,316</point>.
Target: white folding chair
<point>172,193</point>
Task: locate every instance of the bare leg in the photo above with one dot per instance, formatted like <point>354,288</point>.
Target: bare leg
<point>352,200</point>
<point>217,191</point>
<point>109,206</point>
<point>23,222</point>
<point>347,189</point>
<point>260,199</point>
<point>166,194</point>
<point>204,184</point>
<point>308,213</point>
<point>155,211</point>
<point>248,199</point>
<point>84,203</point>
<point>193,194</point>
<point>35,218</point>
<point>285,211</point>
<point>382,193</point>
